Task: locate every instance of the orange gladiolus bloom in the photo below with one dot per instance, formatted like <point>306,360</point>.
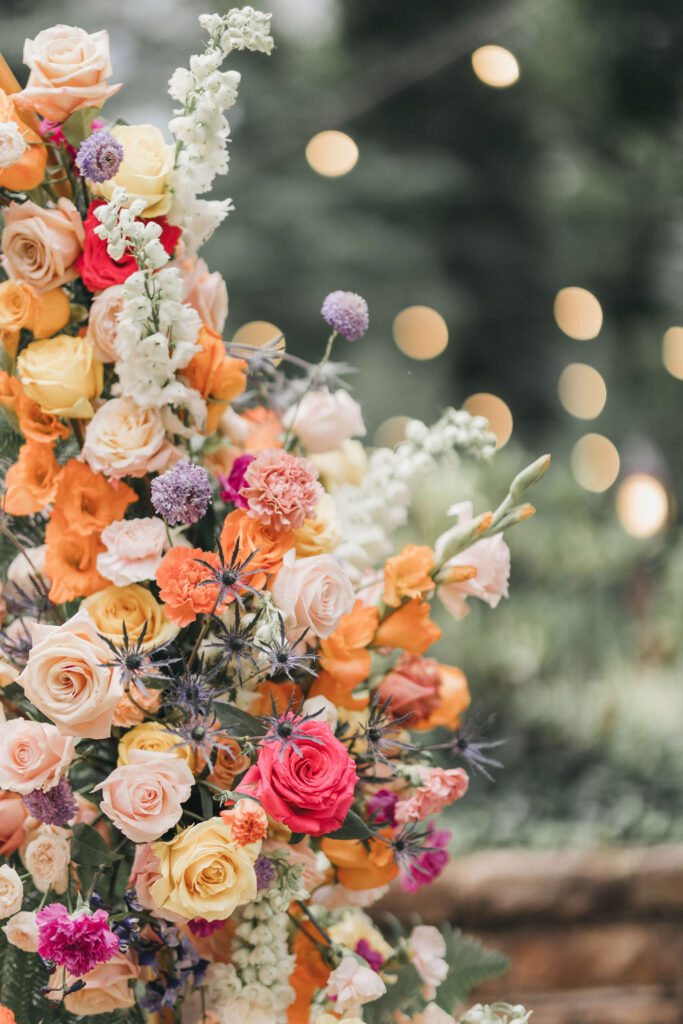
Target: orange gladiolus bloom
<point>454,697</point>
<point>31,483</point>
<point>407,574</point>
<point>310,974</point>
<point>6,1016</point>
<point>215,375</point>
<point>284,694</point>
<point>10,389</point>
<point>409,627</point>
<point>344,657</point>
<point>181,584</point>
<point>29,169</point>
<point>265,429</point>
<point>270,546</point>
<point>86,501</point>
<point>360,868</point>
<point>36,424</point>
<point>71,562</point>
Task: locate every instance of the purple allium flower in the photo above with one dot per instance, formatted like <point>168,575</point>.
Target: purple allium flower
<point>231,485</point>
<point>429,864</point>
<point>55,806</point>
<point>373,958</point>
<point>381,804</point>
<point>182,494</point>
<point>99,157</point>
<point>265,872</point>
<point>203,928</point>
<point>78,943</point>
<point>347,313</point>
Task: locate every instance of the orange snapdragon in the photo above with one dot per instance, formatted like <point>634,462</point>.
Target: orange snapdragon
<point>270,545</point>
<point>86,501</point>
<point>29,170</point>
<point>364,865</point>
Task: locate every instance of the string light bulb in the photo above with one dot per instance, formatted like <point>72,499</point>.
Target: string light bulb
<point>578,313</point>
<point>595,462</point>
<point>495,410</point>
<point>642,505</point>
<point>672,351</point>
<point>420,332</point>
<point>495,66</point>
<point>582,391</point>
<point>332,153</point>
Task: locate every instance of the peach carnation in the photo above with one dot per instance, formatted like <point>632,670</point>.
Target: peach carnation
<point>440,787</point>
<point>249,822</point>
<point>182,584</point>
<point>281,490</point>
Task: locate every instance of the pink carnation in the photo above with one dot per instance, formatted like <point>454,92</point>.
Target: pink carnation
<point>77,943</point>
<point>440,787</point>
<point>281,490</point>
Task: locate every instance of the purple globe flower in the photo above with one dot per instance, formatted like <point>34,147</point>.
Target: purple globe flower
<point>347,313</point>
<point>55,806</point>
<point>182,494</point>
<point>99,157</point>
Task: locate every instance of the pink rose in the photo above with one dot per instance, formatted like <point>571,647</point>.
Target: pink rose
<point>144,798</point>
<point>143,875</point>
<point>440,787</point>
<point>312,593</point>
<point>490,556</point>
<point>413,685</point>
<point>33,755</point>
<point>351,984</point>
<point>40,246</point>
<point>135,548</point>
<point>107,987</point>
<point>306,783</point>
<point>281,490</point>
<point>428,949</point>
<point>325,420</point>
<point>69,677</point>
<point>205,292</point>
<point>69,70</point>
<point>103,323</point>
<point>123,439</point>
<point>13,814</point>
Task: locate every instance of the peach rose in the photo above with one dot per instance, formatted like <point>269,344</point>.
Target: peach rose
<point>107,987</point>
<point>145,170</point>
<point>11,891</point>
<point>205,292</point>
<point>43,314</point>
<point>40,246</point>
<point>69,70</point>
<point>61,375</point>
<point>22,931</point>
<point>67,677</point>
<point>135,548</point>
<point>47,857</point>
<point>122,439</point>
<point>144,798</point>
<point>13,814</point>
<point>134,605</point>
<point>325,419</point>
<point>33,755</point>
<point>312,593</point>
<point>103,323</point>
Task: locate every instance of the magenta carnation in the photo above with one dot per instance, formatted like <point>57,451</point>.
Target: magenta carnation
<point>429,864</point>
<point>78,943</point>
<point>281,490</point>
<point>232,485</point>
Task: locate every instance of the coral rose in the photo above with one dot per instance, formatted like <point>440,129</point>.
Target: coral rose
<point>13,814</point>
<point>107,987</point>
<point>135,606</point>
<point>409,627</point>
<point>68,677</point>
<point>127,713</point>
<point>323,420</point>
<point>205,292</point>
<point>31,482</point>
<point>40,246</point>
<point>123,439</point>
<point>71,562</point>
<point>281,490</point>
<point>134,549</point>
<point>86,502</point>
<point>454,698</point>
<point>408,574</point>
<point>144,798</point>
<point>61,375</point>
<point>217,376</point>
<point>362,865</point>
<point>182,584</point>
<point>153,737</point>
<point>103,322</point>
<point>312,593</point>
<point>413,688</point>
<point>33,755</point>
<point>145,170</point>
<point>306,784</point>
<point>228,761</point>
<point>267,546</point>
<point>204,873</point>
<point>23,157</point>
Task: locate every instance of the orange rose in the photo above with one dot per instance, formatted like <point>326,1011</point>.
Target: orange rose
<point>409,627</point>
<point>344,658</point>
<point>31,483</point>
<point>407,574</point>
<point>181,584</point>
<point>215,375</point>
<point>270,546</point>
<point>20,306</point>
<point>359,867</point>
<point>28,170</point>
<point>86,502</point>
<point>71,562</point>
<point>228,761</point>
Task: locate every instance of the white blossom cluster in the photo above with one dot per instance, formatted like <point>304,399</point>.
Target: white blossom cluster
<point>199,124</point>
<point>254,988</point>
<point>496,1013</point>
<point>370,512</point>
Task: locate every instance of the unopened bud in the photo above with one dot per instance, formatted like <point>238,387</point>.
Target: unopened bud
<point>528,477</point>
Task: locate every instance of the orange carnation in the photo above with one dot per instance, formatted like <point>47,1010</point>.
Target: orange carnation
<point>215,375</point>
<point>71,562</point>
<point>181,584</point>
<point>31,483</point>
<point>409,627</point>
<point>29,170</point>
<point>271,547</point>
<point>362,865</point>
<point>407,574</point>
<point>344,657</point>
<point>86,501</point>
<point>310,974</point>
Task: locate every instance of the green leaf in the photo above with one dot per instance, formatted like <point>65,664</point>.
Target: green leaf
<point>237,722</point>
<point>353,828</point>
<point>89,848</point>
<point>469,964</point>
<point>404,994</point>
<point>79,125</point>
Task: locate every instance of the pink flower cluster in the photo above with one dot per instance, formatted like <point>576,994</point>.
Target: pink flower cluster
<point>440,787</point>
<point>78,943</point>
<point>281,490</point>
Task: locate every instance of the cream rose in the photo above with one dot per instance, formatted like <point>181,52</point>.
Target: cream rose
<point>312,593</point>
<point>204,873</point>
<point>205,292</point>
<point>135,548</point>
<point>69,70</point>
<point>321,535</point>
<point>103,323</point>
<point>145,170</point>
<point>107,987</point>
<point>11,891</point>
<point>324,419</point>
<point>26,567</point>
<point>345,465</point>
<point>12,143</point>
<point>134,605</point>
<point>68,677</point>
<point>154,737</point>
<point>144,798</point>
<point>62,375</point>
<point>122,439</point>
<point>22,931</point>
<point>40,246</point>
<point>47,858</point>
<point>33,755</point>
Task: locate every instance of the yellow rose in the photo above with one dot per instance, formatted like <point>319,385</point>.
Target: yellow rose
<point>347,464</point>
<point>145,170</point>
<point>153,736</point>
<point>62,375</point>
<point>134,605</point>
<point>321,535</point>
<point>204,873</point>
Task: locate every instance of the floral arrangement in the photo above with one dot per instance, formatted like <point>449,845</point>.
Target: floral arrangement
<point>221,739</point>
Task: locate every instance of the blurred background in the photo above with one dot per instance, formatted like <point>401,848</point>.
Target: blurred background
<point>501,181</point>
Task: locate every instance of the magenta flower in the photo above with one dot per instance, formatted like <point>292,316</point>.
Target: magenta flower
<point>78,943</point>
<point>232,485</point>
<point>429,864</point>
<point>203,928</point>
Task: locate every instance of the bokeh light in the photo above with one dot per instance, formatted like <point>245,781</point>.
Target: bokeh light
<point>420,332</point>
<point>495,66</point>
<point>495,410</point>
<point>642,505</point>
<point>582,391</point>
<point>578,313</point>
<point>332,153</point>
<point>391,432</point>
<point>257,333</point>
<point>672,351</point>
<point>595,462</point>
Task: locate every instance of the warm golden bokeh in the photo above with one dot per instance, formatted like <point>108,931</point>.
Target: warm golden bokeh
<point>672,351</point>
<point>420,332</point>
<point>582,391</point>
<point>495,66</point>
<point>595,462</point>
<point>391,432</point>
<point>332,153</point>
<point>642,505</point>
<point>578,313</point>
<point>496,411</point>
<point>257,334</point>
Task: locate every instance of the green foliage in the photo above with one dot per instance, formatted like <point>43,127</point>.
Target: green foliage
<point>237,722</point>
<point>79,125</point>
<point>91,853</point>
<point>469,964</point>
<point>353,828</point>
